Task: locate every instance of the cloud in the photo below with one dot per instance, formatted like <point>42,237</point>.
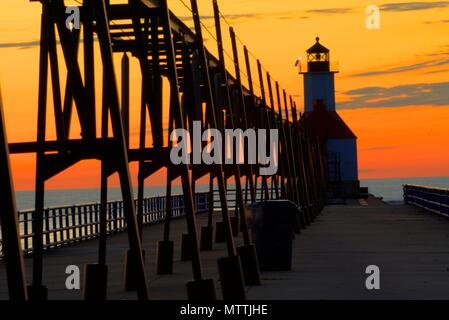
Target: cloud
<point>378,148</point>
<point>433,94</point>
<point>238,16</point>
<point>434,22</point>
<point>436,71</point>
<point>22,45</point>
<point>413,6</point>
<point>406,6</point>
<point>416,66</point>
<point>307,14</point>
<point>242,17</point>
<point>30,44</point>
<point>284,15</point>
<point>368,170</point>
<point>331,11</point>
<point>230,17</point>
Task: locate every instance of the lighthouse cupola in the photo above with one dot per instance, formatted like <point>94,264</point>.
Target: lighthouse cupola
<point>318,78</point>
<point>318,58</point>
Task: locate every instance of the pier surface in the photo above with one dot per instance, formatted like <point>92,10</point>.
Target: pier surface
<point>409,245</point>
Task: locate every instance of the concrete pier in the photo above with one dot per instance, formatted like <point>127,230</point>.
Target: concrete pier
<point>409,245</point>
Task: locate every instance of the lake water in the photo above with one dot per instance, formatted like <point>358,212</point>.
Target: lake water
<point>389,189</point>
<point>56,198</point>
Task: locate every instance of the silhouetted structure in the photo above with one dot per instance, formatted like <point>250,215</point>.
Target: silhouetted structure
<point>165,48</point>
<point>323,121</point>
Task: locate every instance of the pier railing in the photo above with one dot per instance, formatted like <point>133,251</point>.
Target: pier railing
<point>72,224</point>
<point>431,199</point>
<point>67,225</point>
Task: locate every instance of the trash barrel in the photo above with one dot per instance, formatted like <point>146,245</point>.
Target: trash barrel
<point>273,230</point>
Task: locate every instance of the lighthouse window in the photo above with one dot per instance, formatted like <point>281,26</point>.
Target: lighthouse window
<point>316,57</point>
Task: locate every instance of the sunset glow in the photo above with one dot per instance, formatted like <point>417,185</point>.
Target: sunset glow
<point>392,89</point>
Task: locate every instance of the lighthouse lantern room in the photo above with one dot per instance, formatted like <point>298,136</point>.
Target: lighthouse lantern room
<point>318,58</point>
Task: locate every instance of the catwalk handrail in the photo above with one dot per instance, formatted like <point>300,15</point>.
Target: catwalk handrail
<point>429,198</point>
<point>67,225</point>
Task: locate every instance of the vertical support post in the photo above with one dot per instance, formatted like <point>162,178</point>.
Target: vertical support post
<point>142,143</point>
<point>104,179</point>
<point>252,100</point>
<point>103,216</point>
<point>294,171</point>
<point>264,121</point>
<point>122,155</point>
<point>36,290</point>
<point>95,275</point>
<point>229,268</point>
<point>247,252</point>
<point>234,120</point>
<point>250,173</point>
<point>287,164</point>
<point>125,96</point>
<point>12,250</point>
<point>165,248</point>
<point>272,122</point>
<point>156,99</point>
<point>198,288</point>
<point>213,123</point>
<point>303,176</point>
<point>89,69</point>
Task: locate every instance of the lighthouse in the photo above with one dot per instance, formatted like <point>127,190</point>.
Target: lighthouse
<point>322,120</point>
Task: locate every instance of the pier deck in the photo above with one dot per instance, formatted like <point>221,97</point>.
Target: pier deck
<point>409,245</point>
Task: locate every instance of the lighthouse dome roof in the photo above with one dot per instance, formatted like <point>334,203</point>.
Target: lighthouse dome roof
<point>317,47</point>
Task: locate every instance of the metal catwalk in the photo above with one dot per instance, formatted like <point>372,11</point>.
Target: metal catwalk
<point>203,89</point>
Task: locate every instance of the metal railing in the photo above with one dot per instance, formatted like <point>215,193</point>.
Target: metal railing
<point>67,225</point>
<point>431,199</point>
<point>72,224</point>
<point>303,67</point>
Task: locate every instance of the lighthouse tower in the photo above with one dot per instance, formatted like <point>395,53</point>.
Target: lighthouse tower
<point>322,120</point>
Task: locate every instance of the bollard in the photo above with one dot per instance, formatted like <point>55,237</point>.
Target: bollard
<point>201,290</point>
<point>95,281</point>
<point>231,278</point>
<point>317,208</point>
<point>130,267</point>
<point>235,225</point>
<point>314,211</point>
<point>307,215</point>
<point>311,213</point>
<point>164,257</point>
<point>297,222</point>
<point>206,238</point>
<point>250,265</point>
<point>302,219</point>
<point>186,247</point>
<point>37,292</point>
<point>219,232</point>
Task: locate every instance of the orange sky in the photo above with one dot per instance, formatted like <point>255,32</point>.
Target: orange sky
<point>392,89</point>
